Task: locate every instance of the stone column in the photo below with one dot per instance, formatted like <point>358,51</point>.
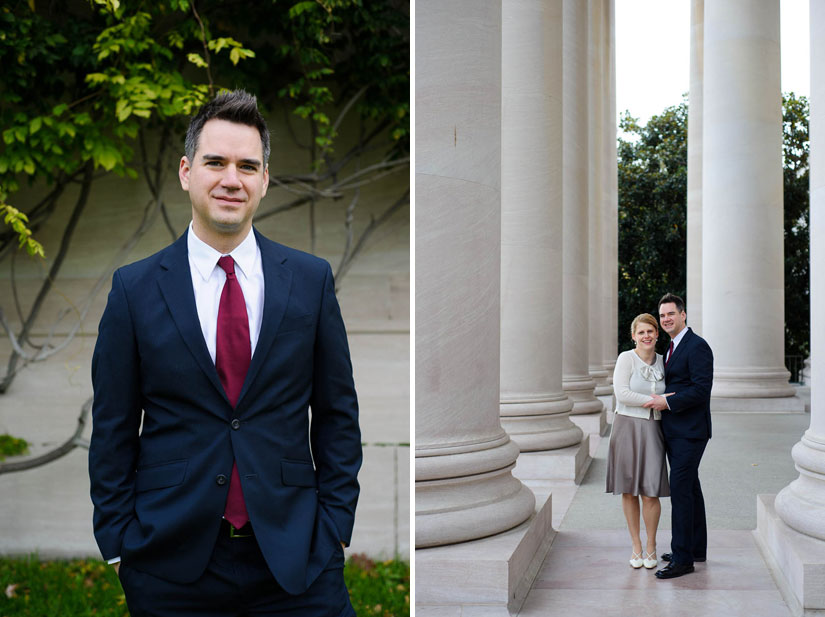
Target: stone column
<point>791,530</point>
<point>742,251</point>
<point>595,99</point>
<point>534,408</point>
<point>464,485</point>
<point>610,168</point>
<point>578,385</point>
<point>694,180</point>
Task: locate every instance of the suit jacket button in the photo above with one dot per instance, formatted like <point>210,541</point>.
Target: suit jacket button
<point>236,424</point>
<point>220,480</point>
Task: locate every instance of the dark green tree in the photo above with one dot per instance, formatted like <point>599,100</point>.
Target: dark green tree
<point>652,213</point>
<point>796,194</point>
<point>653,217</point>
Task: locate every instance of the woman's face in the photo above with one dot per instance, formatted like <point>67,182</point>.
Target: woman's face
<point>645,336</point>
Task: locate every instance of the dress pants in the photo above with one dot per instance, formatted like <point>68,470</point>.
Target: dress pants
<point>236,583</point>
<point>690,530</point>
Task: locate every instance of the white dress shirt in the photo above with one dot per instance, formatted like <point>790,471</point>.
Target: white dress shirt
<point>208,279</point>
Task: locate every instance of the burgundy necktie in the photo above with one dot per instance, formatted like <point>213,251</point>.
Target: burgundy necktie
<point>233,353</point>
<point>669,353</point>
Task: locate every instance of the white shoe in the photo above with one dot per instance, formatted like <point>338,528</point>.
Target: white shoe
<point>636,560</point>
<point>650,560</point>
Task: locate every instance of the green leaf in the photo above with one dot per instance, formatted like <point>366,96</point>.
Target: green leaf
<point>96,78</point>
<point>35,125</point>
<point>122,110</point>
<point>196,60</point>
<point>301,7</point>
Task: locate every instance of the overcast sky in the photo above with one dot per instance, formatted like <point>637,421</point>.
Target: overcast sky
<point>653,53</point>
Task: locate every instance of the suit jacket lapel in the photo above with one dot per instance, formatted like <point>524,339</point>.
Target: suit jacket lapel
<point>277,286</point>
<point>175,284</point>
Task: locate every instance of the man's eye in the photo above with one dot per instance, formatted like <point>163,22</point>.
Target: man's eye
<point>249,168</point>
<point>213,163</point>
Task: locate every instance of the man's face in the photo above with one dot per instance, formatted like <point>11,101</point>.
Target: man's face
<point>672,320</point>
<point>226,180</point>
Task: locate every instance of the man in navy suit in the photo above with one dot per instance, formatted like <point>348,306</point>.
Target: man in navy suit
<point>215,491</point>
<point>686,427</point>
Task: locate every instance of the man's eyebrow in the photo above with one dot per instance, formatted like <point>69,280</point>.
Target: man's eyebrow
<point>220,157</point>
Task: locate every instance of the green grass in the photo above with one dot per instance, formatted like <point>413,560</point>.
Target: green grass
<point>80,588</point>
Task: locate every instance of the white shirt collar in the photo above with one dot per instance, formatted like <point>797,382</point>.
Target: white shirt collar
<point>205,258</point>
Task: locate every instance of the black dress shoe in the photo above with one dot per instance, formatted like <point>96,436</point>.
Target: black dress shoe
<point>674,569</point>
<point>669,557</point>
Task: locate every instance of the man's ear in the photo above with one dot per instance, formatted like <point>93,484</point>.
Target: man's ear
<point>183,173</point>
<point>266,180</point>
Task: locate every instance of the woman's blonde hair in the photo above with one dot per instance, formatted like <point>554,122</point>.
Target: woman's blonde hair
<point>643,318</point>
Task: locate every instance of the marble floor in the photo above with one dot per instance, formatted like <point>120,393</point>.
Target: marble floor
<point>587,573</point>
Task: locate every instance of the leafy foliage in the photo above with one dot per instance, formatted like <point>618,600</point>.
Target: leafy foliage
<point>797,217</point>
<point>653,210</point>
<point>12,446</point>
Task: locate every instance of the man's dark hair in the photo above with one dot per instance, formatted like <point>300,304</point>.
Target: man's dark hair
<point>669,297</point>
<point>236,106</point>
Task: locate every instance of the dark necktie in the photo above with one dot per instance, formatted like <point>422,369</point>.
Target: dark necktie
<point>233,353</point>
<point>669,353</point>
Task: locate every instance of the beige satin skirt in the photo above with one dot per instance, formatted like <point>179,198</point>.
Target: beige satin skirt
<point>636,458</point>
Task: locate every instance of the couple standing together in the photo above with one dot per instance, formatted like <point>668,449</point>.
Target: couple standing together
<point>662,408</point>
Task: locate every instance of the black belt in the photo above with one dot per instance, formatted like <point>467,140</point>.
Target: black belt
<point>229,530</point>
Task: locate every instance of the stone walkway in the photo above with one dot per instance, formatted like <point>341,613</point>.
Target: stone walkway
<point>586,571</point>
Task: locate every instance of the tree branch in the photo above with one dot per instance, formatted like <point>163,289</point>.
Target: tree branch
<point>63,449</point>
<point>374,224</point>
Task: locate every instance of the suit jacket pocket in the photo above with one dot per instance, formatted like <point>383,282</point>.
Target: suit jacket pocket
<point>161,475</point>
<point>297,473</point>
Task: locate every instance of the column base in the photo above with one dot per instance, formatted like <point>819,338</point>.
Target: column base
<point>565,464</point>
<point>752,383</point>
<point>592,424</point>
<point>581,392</point>
<point>786,404</point>
<point>461,509</point>
<point>491,576</point>
<point>797,561</point>
<point>609,403</point>
<point>548,431</point>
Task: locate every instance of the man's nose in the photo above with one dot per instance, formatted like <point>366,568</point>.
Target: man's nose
<point>230,178</point>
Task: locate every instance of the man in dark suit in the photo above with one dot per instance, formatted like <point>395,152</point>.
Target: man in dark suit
<point>686,427</point>
<point>214,491</point>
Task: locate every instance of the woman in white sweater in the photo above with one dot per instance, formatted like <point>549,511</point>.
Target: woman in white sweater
<point>636,455</point>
